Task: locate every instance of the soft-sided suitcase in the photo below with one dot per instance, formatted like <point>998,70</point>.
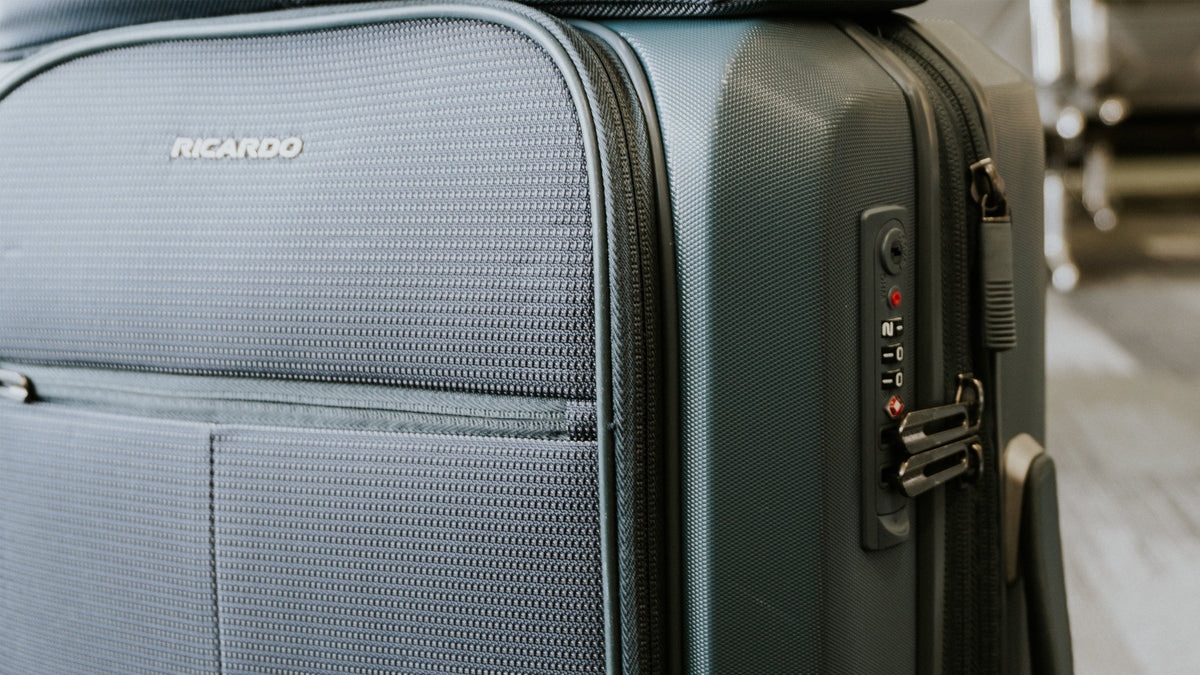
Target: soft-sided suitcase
<point>457,338</point>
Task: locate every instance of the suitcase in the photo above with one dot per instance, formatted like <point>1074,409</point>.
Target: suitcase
<point>417,337</point>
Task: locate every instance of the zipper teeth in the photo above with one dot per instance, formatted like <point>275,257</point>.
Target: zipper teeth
<point>641,621</point>
<point>308,404</point>
<point>957,240</point>
<point>970,600</point>
<point>938,75</point>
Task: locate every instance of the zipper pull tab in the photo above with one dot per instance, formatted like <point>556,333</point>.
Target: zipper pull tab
<point>923,430</point>
<point>15,386</point>
<point>942,442</point>
<point>996,255</point>
<point>921,473</point>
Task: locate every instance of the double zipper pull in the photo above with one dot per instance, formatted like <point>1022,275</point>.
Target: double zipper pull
<point>15,386</point>
<point>942,442</point>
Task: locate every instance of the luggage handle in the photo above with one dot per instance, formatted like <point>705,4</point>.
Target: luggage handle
<point>1033,551</point>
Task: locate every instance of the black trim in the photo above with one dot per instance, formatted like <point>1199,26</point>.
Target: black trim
<point>25,26</point>
<point>668,304</point>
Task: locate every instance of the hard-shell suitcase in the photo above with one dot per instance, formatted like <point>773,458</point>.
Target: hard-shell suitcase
<point>458,338</point>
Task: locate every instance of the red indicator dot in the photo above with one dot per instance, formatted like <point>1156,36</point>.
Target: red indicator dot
<point>895,406</point>
<point>894,297</point>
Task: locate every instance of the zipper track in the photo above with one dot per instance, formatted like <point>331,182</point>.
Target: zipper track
<point>636,372</point>
<point>972,601</point>
<point>229,400</point>
<point>936,68</point>
<point>958,238</point>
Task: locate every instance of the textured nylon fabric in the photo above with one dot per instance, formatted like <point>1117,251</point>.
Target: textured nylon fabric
<point>343,551</point>
<point>334,550</point>
<point>434,232</point>
<point>30,22</point>
<point>105,552</point>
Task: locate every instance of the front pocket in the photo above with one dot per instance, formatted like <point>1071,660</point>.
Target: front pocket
<point>105,544</point>
<point>347,550</point>
<point>240,525</point>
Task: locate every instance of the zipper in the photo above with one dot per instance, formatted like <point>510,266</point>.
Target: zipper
<point>969,238</point>
<point>980,322</point>
<point>986,187</point>
<point>996,257</point>
<point>942,443</point>
<point>290,403</point>
<point>979,238</point>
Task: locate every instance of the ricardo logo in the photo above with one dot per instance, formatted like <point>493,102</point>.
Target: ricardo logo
<point>236,148</point>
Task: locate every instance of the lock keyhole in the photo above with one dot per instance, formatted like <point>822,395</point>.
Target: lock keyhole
<point>892,250</point>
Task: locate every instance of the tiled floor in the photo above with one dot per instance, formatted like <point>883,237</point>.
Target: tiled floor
<point>1123,365</point>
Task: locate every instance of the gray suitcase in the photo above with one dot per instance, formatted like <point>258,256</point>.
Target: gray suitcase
<point>457,338</point>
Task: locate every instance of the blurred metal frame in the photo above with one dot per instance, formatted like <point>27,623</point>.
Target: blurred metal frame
<point>1035,36</point>
<point>1096,63</point>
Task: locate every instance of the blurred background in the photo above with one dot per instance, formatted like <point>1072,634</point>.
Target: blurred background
<point>1119,91</point>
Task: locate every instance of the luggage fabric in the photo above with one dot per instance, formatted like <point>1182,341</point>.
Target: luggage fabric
<point>414,337</point>
<point>27,23</point>
<point>436,234</point>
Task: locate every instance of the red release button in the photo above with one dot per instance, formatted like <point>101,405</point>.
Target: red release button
<point>895,406</point>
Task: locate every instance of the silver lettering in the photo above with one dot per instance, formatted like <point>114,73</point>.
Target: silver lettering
<point>268,148</point>
<point>290,147</point>
<point>182,147</point>
<point>208,149</point>
<point>228,149</point>
<point>234,148</point>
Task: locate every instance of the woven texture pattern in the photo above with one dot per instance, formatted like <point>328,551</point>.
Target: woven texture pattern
<point>347,551</point>
<point>30,22</point>
<point>105,557</point>
<point>434,232</point>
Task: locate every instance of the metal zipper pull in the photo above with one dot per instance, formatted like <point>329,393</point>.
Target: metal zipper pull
<point>942,442</point>
<point>924,430</point>
<point>996,255</point>
<point>15,386</point>
<point>921,473</point>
